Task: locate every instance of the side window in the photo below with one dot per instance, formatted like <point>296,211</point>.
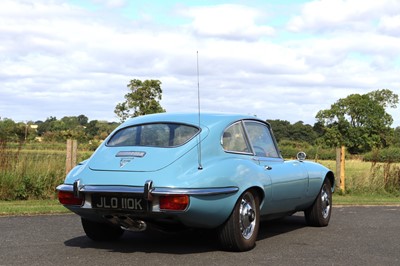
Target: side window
<point>261,139</point>
<point>233,139</point>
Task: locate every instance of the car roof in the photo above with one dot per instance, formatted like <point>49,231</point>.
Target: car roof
<point>206,119</point>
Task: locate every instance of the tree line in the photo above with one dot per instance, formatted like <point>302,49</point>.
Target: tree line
<point>55,130</point>
<point>80,128</point>
<point>359,122</point>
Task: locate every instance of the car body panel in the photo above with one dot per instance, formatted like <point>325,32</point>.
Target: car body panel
<point>212,177</point>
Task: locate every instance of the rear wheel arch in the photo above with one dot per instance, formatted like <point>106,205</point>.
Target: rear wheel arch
<point>260,193</point>
<point>331,177</point>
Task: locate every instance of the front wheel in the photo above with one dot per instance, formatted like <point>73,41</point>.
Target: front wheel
<point>319,213</point>
<point>239,233</point>
<point>101,231</point>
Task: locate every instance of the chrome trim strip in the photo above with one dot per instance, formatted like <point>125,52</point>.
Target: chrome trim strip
<point>154,191</point>
<point>195,191</point>
<point>113,189</point>
<point>64,187</point>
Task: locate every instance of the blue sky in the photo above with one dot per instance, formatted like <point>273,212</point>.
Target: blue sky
<point>275,59</point>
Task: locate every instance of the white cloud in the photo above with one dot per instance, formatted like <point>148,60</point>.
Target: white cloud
<point>228,21</point>
<point>59,59</point>
<point>112,3</point>
<point>390,25</point>
<point>328,15</point>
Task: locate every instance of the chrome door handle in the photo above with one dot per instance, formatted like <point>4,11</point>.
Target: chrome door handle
<point>267,167</point>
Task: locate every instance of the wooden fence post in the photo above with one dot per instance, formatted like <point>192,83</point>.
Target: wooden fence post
<point>72,151</point>
<point>337,176</point>
<point>340,168</point>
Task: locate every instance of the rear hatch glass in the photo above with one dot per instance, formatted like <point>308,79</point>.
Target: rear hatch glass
<point>146,147</point>
<point>154,135</point>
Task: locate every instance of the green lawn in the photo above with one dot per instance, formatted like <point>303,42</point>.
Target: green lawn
<point>31,207</point>
<point>35,207</point>
<point>365,199</point>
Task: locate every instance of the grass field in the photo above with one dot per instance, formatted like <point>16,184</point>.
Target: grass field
<point>369,178</point>
<point>32,173</point>
<point>38,207</point>
<point>29,175</point>
<point>31,207</point>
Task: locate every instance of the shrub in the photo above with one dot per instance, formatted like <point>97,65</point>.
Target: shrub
<point>388,155</point>
<point>32,173</point>
<point>289,149</point>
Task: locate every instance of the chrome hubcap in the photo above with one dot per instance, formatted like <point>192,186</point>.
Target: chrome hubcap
<point>247,216</point>
<point>325,202</point>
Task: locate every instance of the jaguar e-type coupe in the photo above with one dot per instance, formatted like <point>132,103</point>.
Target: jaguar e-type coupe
<point>221,172</point>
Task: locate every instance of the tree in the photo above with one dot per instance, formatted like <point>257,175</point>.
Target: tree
<point>69,122</point>
<point>281,129</point>
<point>46,125</point>
<point>303,132</point>
<point>8,130</point>
<point>360,122</point>
<point>92,129</point>
<point>15,132</point>
<point>394,138</point>
<point>299,131</point>
<point>143,98</point>
<point>82,120</point>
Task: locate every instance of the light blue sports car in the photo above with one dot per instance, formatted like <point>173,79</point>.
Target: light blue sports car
<point>213,171</point>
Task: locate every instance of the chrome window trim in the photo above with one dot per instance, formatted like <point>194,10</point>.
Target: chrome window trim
<point>246,140</point>
<point>268,126</point>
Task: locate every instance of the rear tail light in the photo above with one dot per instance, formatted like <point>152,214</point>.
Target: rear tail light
<point>68,198</point>
<point>174,202</point>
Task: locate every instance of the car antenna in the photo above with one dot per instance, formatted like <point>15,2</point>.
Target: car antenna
<point>200,167</point>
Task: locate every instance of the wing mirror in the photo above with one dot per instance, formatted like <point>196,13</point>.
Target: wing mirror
<point>301,156</point>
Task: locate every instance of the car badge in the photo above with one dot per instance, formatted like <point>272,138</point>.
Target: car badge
<point>124,161</point>
<point>139,154</point>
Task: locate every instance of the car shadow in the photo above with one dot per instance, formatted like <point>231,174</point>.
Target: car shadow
<point>269,229</point>
<point>185,242</point>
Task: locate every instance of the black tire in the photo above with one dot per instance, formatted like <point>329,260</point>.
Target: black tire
<point>101,231</point>
<point>239,232</point>
<point>319,213</point>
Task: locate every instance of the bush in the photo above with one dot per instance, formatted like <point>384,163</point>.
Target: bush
<point>28,172</point>
<point>388,155</point>
<point>289,149</point>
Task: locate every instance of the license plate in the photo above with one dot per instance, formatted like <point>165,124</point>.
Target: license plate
<point>100,201</point>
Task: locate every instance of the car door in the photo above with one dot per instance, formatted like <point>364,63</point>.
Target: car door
<point>289,179</point>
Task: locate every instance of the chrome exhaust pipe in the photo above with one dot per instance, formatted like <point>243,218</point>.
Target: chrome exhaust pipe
<point>127,223</point>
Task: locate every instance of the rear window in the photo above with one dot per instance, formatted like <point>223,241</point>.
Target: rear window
<point>154,135</point>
